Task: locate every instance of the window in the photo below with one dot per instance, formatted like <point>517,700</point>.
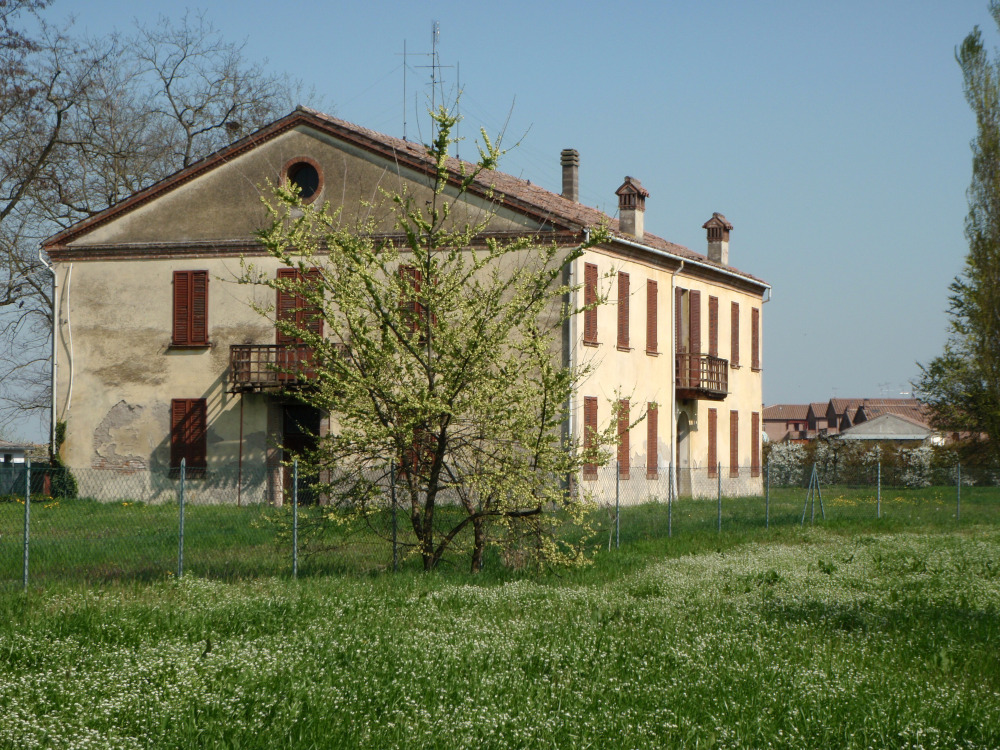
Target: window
<point>590,302</point>
<point>755,444</point>
<point>734,356</point>
<point>188,432</point>
<point>306,175</point>
<point>589,434</point>
<point>651,343</point>
<point>623,284</point>
<point>687,328</point>
<point>294,308</point>
<point>190,308</point>
<point>755,338</point>
<point>623,446</point>
<point>713,446</point>
<point>713,326</point>
<point>734,443</point>
<point>652,441</point>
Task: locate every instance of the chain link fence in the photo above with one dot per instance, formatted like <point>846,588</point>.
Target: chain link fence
<point>91,525</point>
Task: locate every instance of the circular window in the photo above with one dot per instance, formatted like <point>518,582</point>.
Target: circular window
<point>306,176</point>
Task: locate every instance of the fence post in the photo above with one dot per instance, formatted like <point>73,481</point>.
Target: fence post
<point>767,499</point>
<point>180,548</point>
<point>878,497</point>
<point>27,518</point>
<point>958,496</point>
<point>395,526</point>
<point>670,501</point>
<point>295,518</point>
<point>618,481</point>
<point>718,475</point>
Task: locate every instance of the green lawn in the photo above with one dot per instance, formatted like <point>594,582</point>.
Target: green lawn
<point>97,542</point>
<point>796,637</point>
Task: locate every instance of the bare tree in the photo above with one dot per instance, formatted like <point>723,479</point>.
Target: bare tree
<point>85,123</point>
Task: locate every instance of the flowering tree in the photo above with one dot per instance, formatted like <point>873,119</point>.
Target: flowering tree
<point>439,350</point>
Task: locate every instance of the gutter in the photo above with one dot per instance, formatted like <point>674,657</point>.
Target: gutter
<point>688,261</point>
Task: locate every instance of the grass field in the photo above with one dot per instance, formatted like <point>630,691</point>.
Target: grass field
<point>835,636</point>
<point>98,542</point>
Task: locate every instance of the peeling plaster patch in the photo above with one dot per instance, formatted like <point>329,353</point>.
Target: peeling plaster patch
<point>120,429</point>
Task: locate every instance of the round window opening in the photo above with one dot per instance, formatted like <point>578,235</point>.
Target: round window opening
<point>306,177</point>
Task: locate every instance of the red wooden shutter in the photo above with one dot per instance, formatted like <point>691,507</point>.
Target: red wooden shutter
<point>713,451</point>
<point>734,354</point>
<point>295,308</point>
<point>713,326</point>
<point>190,324</point>
<point>311,316</point>
<point>188,432</point>
<point>182,306</point>
<point>755,338</point>
<point>199,307</point>
<point>755,444</point>
<point>652,441</point>
<point>623,447</point>
<point>623,291</point>
<point>694,337</point>
<point>287,306</point>
<point>734,443</point>
<point>589,431</point>
<point>651,316</point>
<point>590,299</point>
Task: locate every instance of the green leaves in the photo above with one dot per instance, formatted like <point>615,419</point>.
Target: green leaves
<point>454,329</point>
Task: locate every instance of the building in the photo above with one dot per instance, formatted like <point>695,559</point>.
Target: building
<point>16,453</point>
<point>786,422</point>
<point>159,356</point>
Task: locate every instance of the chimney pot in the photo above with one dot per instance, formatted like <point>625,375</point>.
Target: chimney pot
<point>632,207</point>
<point>570,160</point>
<point>718,238</point>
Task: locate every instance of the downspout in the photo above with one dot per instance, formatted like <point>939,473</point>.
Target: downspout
<point>570,344</point>
<point>55,327</point>
<point>69,332</point>
<point>673,379</point>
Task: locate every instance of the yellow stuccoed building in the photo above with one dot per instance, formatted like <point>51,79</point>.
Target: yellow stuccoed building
<point>160,357</point>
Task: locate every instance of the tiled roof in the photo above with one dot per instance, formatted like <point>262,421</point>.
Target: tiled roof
<point>515,193</point>
<point>908,408</point>
<point>786,412</point>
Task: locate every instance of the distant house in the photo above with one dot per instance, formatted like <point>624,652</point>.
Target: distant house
<point>891,427</point>
<point>903,407</point>
<point>15,453</point>
<point>816,419</point>
<point>801,423</point>
<point>786,422</point>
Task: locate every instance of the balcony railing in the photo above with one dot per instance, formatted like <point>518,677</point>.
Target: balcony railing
<point>702,376</point>
<point>262,367</point>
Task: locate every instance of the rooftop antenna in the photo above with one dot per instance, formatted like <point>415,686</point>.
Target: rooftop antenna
<point>435,68</point>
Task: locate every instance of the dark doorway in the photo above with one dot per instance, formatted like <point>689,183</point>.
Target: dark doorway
<point>299,436</point>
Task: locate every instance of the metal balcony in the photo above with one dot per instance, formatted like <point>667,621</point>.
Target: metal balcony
<point>265,367</point>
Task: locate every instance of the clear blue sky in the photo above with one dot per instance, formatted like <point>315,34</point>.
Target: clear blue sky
<point>834,136</point>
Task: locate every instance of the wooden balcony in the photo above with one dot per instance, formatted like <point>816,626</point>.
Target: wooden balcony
<point>266,367</point>
<point>701,376</point>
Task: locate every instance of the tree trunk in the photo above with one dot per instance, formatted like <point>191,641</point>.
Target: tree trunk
<point>478,543</point>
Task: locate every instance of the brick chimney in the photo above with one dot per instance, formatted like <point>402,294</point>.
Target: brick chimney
<point>718,238</point>
<point>631,207</point>
<point>570,160</point>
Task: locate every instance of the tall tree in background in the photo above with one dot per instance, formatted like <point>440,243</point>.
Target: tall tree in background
<point>84,123</point>
<point>962,385</point>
